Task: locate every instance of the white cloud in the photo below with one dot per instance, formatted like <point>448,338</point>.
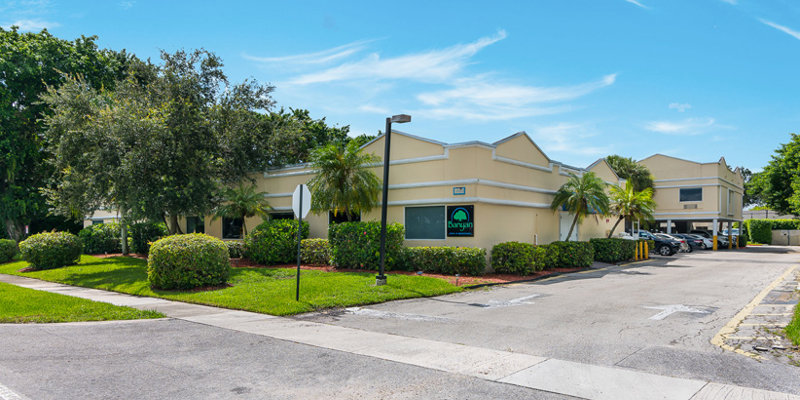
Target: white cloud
<point>690,126</point>
<point>431,66</point>
<point>733,2</point>
<point>319,57</point>
<point>570,139</point>
<point>782,28</point>
<point>126,5</point>
<point>33,25</point>
<point>638,4</point>
<point>681,107</point>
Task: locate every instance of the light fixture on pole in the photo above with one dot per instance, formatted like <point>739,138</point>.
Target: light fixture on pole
<point>387,138</point>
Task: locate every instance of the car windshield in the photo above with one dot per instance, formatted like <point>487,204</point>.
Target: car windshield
<point>663,236</point>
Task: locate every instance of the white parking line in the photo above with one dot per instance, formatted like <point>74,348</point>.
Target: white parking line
<point>8,394</point>
<point>508,303</point>
<point>393,315</point>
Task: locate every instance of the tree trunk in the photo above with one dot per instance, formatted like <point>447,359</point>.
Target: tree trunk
<point>244,227</point>
<point>123,225</point>
<point>349,216</point>
<point>13,229</point>
<point>615,226</point>
<point>572,227</point>
<point>175,228</point>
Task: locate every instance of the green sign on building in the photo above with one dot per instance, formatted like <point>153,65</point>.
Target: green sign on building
<point>461,221</point>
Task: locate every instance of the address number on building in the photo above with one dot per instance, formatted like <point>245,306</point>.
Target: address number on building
<point>461,221</point>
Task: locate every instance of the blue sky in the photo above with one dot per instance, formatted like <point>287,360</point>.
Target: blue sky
<point>696,79</point>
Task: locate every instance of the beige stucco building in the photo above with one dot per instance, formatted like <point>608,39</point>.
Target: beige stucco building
<point>691,195</point>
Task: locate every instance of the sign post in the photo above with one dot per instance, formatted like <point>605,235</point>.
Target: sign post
<point>301,203</point>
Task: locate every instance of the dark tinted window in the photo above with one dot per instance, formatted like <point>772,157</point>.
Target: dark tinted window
<point>692,194</point>
<point>425,222</point>
<point>231,228</point>
<point>195,225</point>
<point>281,215</point>
<point>342,217</point>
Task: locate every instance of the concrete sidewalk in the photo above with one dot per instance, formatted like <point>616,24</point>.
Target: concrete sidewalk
<point>557,376</point>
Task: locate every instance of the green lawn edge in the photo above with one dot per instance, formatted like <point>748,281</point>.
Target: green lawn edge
<point>793,329</point>
<point>22,305</point>
<point>263,290</point>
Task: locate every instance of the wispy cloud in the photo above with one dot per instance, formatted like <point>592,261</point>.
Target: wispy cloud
<point>570,139</point>
<point>636,3</point>
<point>689,126</point>
<point>733,2</point>
<point>784,29</point>
<point>33,25</point>
<point>432,66</point>
<point>319,57</point>
<point>681,107</point>
<point>126,5</point>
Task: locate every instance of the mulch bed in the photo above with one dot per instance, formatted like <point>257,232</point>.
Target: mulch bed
<point>460,281</point>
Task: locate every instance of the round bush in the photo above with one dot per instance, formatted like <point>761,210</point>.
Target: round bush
<point>514,258</point>
<point>8,249</point>
<point>101,238</point>
<point>187,262</point>
<point>274,242</point>
<point>51,250</point>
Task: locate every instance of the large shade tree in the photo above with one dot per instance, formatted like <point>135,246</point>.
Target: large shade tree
<point>630,204</point>
<point>778,185</point>
<point>344,184</point>
<point>581,196</point>
<point>29,64</point>
<point>626,168</point>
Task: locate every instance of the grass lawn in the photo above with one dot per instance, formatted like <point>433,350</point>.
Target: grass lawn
<point>263,290</point>
<point>21,305</point>
<point>793,329</point>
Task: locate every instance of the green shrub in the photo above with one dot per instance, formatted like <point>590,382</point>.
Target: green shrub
<point>447,260</point>
<point>788,224</point>
<point>613,250</point>
<point>8,249</point>
<point>357,245</point>
<point>51,250</point>
<point>315,251</point>
<point>274,242</point>
<point>760,230</point>
<point>235,248</point>
<point>101,238</point>
<point>574,254</point>
<point>188,261</point>
<point>515,258</point>
<point>547,256</point>
<point>142,234</point>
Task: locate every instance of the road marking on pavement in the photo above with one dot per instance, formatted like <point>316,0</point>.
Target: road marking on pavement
<point>8,394</point>
<point>730,328</point>
<point>507,303</point>
<point>672,309</point>
<point>764,324</point>
<point>393,315</point>
<point>768,315</point>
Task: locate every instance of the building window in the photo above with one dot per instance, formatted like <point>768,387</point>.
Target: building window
<point>281,215</point>
<point>342,217</point>
<point>425,222</point>
<point>231,228</point>
<point>97,222</point>
<point>195,225</point>
<point>692,194</point>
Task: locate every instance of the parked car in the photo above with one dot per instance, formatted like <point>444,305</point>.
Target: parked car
<point>722,241</point>
<point>693,240</point>
<point>684,245</point>
<point>664,247</point>
<point>705,243</point>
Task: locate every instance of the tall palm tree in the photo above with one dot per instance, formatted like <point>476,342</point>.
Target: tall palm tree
<point>344,183</point>
<point>581,195</point>
<point>242,202</point>
<point>628,203</point>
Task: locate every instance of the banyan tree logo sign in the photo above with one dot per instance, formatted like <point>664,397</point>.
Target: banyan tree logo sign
<point>461,221</point>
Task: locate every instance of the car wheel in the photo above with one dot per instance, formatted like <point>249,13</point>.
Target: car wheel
<point>690,249</point>
<point>664,250</point>
<point>703,246</point>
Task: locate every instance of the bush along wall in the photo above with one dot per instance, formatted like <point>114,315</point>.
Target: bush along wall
<point>315,252</point>
<point>235,248</point>
<point>516,258</point>
<point>188,261</point>
<point>51,250</point>
<point>446,260</point>
<point>8,249</point>
<point>357,245</point>
<point>613,250</point>
<point>142,234</point>
<point>760,230</point>
<point>573,254</point>
<point>101,238</point>
<point>274,242</point>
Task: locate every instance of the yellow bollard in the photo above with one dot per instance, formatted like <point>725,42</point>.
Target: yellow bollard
<point>636,252</point>
<point>641,253</point>
<point>646,251</point>
<point>736,246</point>
<point>714,247</point>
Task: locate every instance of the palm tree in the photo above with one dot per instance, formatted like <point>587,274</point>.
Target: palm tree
<point>343,183</point>
<point>628,203</point>
<point>580,196</point>
<point>242,202</point>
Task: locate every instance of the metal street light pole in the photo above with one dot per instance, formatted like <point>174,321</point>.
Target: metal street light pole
<point>400,119</point>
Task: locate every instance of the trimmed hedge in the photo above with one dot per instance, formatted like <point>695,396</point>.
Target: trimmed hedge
<point>187,262</point>
<point>446,260</point>
<point>51,250</point>
<point>547,256</point>
<point>8,249</point>
<point>516,258</point>
<point>274,242</point>
<point>315,251</point>
<point>142,234</point>
<point>760,230</point>
<point>357,245</point>
<point>573,254</point>
<point>235,248</point>
<point>613,250</point>
<point>101,238</point>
